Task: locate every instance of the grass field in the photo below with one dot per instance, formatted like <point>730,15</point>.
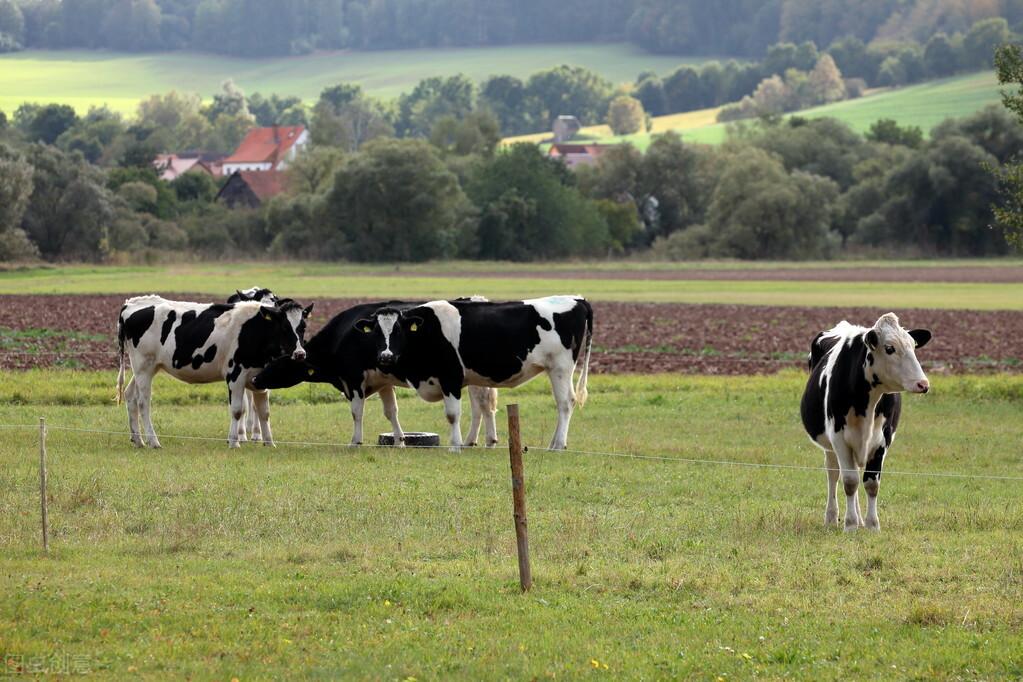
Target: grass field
<point>347,281</point>
<point>87,78</point>
<point>924,105</point>
<point>379,564</point>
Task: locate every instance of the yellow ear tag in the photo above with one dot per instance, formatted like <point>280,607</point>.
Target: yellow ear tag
<point>312,372</point>
<point>367,329</point>
<point>414,326</point>
<point>266,316</point>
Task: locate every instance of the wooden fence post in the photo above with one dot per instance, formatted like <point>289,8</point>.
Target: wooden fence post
<point>519,496</point>
<point>42,484</point>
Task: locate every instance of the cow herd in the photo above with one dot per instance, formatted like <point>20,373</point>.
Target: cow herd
<point>256,342</point>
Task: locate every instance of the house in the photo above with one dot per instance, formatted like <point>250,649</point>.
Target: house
<point>249,189</point>
<point>267,149</point>
<point>578,154</point>
<point>172,166</point>
<point>565,128</point>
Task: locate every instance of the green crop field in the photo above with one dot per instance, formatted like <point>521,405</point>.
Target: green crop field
<point>348,281</point>
<point>86,78</point>
<point>924,105</point>
<point>325,561</point>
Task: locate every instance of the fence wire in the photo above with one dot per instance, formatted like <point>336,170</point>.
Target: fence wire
<point>589,453</point>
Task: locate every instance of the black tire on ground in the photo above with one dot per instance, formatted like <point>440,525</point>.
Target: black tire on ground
<point>413,439</point>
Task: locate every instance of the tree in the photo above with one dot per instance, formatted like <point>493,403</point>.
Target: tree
<point>529,209</point>
<point>506,97</point>
<point>759,211</point>
<point>15,188</point>
<point>344,117</point>
<point>650,92</point>
<point>69,209</point>
<point>49,122</point>
<point>433,99</point>
<point>196,186</point>
<point>940,57</point>
<point>888,131</point>
<point>477,133</point>
<point>982,40</point>
<point>12,24</point>
<point>313,171</point>
<point>394,201</point>
<point>625,115</point>
<point>826,82</point>
<point>568,90</point>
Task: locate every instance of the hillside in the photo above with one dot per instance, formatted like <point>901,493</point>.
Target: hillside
<point>85,78</point>
<point>924,105</point>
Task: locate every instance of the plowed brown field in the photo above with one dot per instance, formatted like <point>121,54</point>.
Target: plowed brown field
<point>79,331</point>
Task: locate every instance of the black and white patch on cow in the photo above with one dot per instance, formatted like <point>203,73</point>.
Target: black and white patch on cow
<point>249,429</point>
<point>201,343</point>
<point>347,353</point>
<point>441,346</point>
<point>852,404</point>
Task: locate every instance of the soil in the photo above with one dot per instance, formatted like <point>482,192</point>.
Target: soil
<point>628,338</point>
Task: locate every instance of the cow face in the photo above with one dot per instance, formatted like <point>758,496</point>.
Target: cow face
<point>892,356</point>
<point>390,329</point>
<point>286,372</point>
<point>288,327</point>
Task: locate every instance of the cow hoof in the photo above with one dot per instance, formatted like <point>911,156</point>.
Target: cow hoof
<point>233,444</point>
<point>831,519</point>
<point>491,443</point>
<point>873,524</point>
<point>851,526</point>
<point>470,444</point>
<point>269,444</point>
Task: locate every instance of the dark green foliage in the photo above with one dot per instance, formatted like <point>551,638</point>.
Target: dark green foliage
<point>194,186</point>
<point>1009,176</point>
<point>889,131</point>
<point>46,123</point>
<point>530,209</point>
<point>395,201</point>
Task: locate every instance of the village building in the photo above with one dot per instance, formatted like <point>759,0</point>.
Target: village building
<point>578,154</point>
<point>565,128</point>
<point>249,189</point>
<point>267,149</point>
<point>172,166</point>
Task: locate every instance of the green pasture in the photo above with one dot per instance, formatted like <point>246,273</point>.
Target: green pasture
<point>924,105</point>
<point>84,78</point>
<point>326,561</point>
<point>443,280</point>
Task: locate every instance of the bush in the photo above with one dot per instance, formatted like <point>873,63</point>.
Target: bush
<point>16,246</point>
<point>625,115</point>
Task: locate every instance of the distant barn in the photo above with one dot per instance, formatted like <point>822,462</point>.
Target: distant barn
<point>249,189</point>
<point>578,154</point>
<point>565,128</point>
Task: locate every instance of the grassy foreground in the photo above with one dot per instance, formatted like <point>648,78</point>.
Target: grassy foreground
<point>324,561</point>
<point>91,78</point>
<point>355,281</point>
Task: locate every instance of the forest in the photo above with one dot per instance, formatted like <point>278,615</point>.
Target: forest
<point>262,28</point>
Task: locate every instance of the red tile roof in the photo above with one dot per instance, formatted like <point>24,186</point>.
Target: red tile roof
<point>265,144</point>
<point>264,184</point>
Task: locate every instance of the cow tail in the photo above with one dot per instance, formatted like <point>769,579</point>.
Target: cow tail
<point>581,391</point>
<point>120,356</point>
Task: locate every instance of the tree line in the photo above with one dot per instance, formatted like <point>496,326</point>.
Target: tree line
<point>785,189</point>
<point>744,28</point>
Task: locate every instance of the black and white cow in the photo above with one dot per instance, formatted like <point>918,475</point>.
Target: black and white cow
<point>441,346</point>
<point>343,355</point>
<point>201,343</point>
<point>249,428</point>
<point>851,405</point>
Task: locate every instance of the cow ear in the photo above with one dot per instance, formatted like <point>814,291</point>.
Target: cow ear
<point>413,322</point>
<point>305,313</point>
<point>267,312</point>
<point>364,325</point>
<point>921,336</point>
<point>241,296</point>
<point>872,339</point>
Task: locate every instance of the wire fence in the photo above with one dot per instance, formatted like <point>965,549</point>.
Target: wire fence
<point>589,453</point>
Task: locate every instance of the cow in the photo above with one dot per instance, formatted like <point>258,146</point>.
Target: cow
<point>852,403</point>
<point>343,355</point>
<point>249,428</point>
<point>441,346</point>
<point>201,343</point>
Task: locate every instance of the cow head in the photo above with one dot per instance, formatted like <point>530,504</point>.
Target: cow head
<point>286,372</point>
<point>892,358</point>
<point>389,329</point>
<point>288,322</point>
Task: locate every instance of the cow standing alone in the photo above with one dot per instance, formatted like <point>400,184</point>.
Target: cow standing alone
<point>201,343</point>
<point>851,405</point>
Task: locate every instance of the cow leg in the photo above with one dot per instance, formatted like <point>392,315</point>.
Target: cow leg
<point>872,483</point>
<point>831,511</point>
<point>476,409</point>
<point>850,481</point>
<point>144,396</point>
<point>564,398</point>
<point>250,424</point>
<point>489,411</point>
<point>390,402</point>
<point>453,412</point>
<point>483,402</point>
<point>236,400</point>
<point>261,409</point>
<point>131,401</point>
<point>358,405</point>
